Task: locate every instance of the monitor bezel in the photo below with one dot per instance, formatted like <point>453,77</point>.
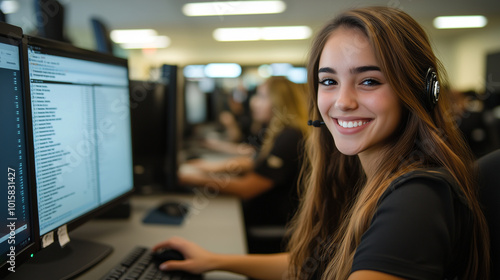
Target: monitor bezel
<point>15,35</point>
<point>68,50</point>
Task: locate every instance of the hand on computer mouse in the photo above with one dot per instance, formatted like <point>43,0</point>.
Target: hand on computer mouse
<point>163,255</point>
<point>195,259</point>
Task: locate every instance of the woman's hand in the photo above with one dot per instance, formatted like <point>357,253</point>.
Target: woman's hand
<point>231,166</point>
<point>190,178</point>
<point>208,166</point>
<point>196,259</point>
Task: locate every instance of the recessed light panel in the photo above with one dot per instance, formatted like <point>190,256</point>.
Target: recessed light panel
<point>224,8</point>
<point>450,22</point>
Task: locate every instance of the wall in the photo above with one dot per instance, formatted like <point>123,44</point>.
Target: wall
<point>464,57</point>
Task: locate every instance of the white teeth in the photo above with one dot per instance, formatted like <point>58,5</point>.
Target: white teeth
<point>351,124</point>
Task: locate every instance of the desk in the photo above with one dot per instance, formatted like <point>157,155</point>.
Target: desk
<point>215,223</point>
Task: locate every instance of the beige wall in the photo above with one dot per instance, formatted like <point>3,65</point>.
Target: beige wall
<point>464,56</point>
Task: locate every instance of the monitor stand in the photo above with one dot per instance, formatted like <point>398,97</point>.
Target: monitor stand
<point>55,262</point>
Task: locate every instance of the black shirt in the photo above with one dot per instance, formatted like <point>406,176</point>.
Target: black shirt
<point>421,230</point>
<point>277,205</point>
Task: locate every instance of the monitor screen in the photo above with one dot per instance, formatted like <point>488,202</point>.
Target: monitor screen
<point>81,131</point>
<point>196,103</point>
<point>16,234</point>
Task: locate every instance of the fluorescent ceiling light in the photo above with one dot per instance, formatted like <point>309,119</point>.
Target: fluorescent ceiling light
<point>286,33</point>
<point>222,70</point>
<point>9,6</point>
<point>262,33</point>
<point>139,39</point>
<point>450,22</point>
<point>223,8</point>
<point>132,35</point>
<point>153,42</point>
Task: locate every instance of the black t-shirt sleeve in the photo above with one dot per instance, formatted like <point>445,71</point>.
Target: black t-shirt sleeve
<point>411,234</point>
<point>283,160</point>
<point>278,204</point>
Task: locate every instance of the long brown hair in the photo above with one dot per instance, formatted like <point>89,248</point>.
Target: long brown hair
<point>338,201</point>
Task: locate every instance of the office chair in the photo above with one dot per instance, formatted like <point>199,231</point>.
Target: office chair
<point>489,182</point>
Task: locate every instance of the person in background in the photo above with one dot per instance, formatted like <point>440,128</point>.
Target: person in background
<point>389,187</point>
<point>266,183</point>
<point>472,120</point>
<point>236,124</point>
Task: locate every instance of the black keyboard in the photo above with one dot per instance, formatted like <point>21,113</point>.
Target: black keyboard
<point>139,265</point>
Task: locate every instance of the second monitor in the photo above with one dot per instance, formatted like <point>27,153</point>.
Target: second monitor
<point>153,107</point>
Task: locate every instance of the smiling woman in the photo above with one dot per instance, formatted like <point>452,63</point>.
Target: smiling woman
<point>389,193</point>
<point>389,185</point>
<point>355,100</point>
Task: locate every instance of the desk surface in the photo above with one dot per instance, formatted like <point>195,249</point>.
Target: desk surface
<point>214,221</point>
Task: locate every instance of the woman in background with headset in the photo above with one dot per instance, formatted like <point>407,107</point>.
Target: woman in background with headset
<point>267,183</point>
<point>392,195</point>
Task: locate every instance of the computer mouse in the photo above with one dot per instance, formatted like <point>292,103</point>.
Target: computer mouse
<point>164,255</point>
<point>174,209</point>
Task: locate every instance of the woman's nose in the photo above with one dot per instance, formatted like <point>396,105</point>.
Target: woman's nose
<point>346,99</point>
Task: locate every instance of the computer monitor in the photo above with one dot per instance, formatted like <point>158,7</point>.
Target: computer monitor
<point>196,102</point>
<point>101,35</point>
<point>493,73</point>
<point>2,16</point>
<point>82,149</point>
<point>50,16</point>
<point>17,233</point>
<point>204,100</point>
<point>153,107</point>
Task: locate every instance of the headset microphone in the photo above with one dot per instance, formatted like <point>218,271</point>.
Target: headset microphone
<point>316,123</point>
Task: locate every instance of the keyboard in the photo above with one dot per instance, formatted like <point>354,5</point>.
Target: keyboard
<point>139,265</point>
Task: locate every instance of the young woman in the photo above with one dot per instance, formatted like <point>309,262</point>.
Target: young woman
<point>267,184</point>
<point>390,191</point>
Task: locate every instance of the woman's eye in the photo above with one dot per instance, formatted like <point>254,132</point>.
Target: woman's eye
<point>328,82</point>
<point>370,82</point>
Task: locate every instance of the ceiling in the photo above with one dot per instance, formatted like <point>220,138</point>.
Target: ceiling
<point>192,40</point>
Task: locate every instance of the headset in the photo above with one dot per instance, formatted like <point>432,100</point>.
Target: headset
<point>429,99</point>
<point>432,88</point>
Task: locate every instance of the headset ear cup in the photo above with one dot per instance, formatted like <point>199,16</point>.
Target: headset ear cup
<point>432,89</point>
